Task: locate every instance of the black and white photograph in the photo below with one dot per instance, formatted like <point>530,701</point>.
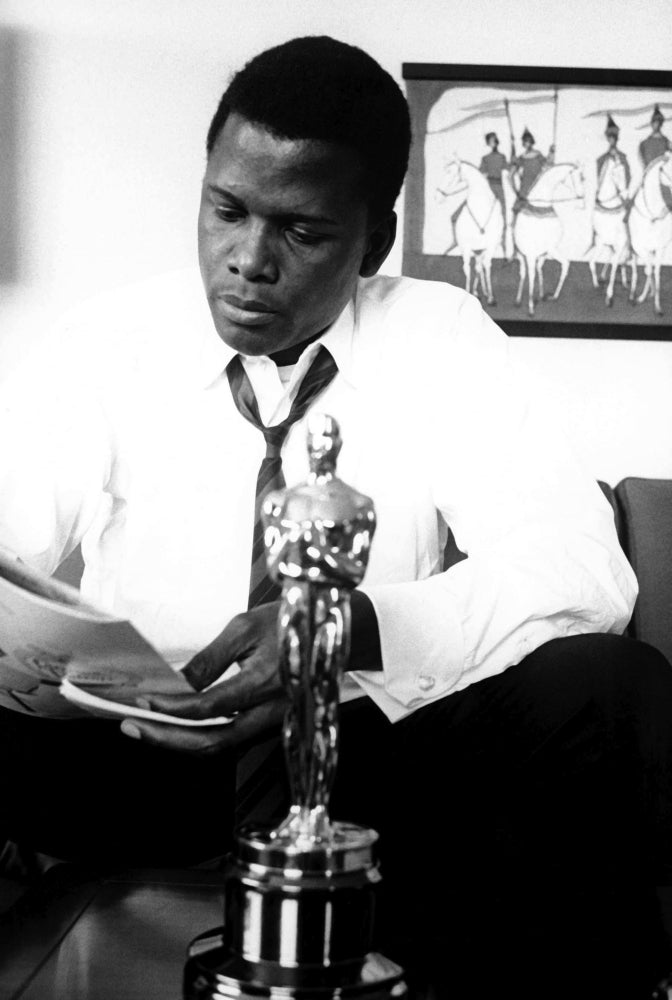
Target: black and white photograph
<point>335,500</point>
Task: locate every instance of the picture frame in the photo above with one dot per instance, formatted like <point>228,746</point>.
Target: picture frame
<point>563,174</point>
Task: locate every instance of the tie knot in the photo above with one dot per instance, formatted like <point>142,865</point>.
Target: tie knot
<point>274,438</point>
<point>319,375</point>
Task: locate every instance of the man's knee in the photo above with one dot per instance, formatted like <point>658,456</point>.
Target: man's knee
<point>601,647</point>
<point>607,663</point>
<point>626,688</point>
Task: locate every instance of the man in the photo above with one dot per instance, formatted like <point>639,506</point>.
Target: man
<point>656,143</point>
<point>513,755</point>
<point>613,153</point>
<point>492,165</point>
<point>527,168</point>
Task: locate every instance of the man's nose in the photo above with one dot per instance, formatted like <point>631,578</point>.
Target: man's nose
<point>251,255</point>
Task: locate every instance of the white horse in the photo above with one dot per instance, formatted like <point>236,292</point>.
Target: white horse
<point>650,225</point>
<point>479,223</point>
<point>610,231</point>
<point>538,226</point>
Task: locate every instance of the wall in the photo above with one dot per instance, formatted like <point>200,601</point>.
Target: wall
<point>113,99</point>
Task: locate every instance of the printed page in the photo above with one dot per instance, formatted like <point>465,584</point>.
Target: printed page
<point>47,633</point>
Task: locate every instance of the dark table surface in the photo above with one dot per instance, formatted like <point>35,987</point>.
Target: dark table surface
<point>82,936</point>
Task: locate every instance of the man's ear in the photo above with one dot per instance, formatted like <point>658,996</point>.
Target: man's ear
<point>379,245</point>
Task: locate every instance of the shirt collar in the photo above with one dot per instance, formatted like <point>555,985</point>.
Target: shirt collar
<point>215,354</point>
<point>339,341</point>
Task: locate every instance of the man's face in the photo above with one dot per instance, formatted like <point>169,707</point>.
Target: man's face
<point>493,143</point>
<point>282,233</point>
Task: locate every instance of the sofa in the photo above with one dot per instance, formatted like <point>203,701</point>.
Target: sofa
<point>643,512</point>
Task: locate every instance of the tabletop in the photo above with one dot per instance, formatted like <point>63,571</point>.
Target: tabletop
<point>119,936</point>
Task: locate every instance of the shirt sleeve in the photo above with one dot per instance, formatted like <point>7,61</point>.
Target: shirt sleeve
<point>55,454</point>
<point>544,559</point>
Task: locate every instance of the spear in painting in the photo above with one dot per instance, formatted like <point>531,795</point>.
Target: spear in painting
<point>510,124</point>
<point>555,119</point>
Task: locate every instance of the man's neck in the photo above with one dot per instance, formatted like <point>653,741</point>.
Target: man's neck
<point>290,355</point>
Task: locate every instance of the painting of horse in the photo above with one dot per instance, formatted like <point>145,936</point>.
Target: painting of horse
<point>546,193</point>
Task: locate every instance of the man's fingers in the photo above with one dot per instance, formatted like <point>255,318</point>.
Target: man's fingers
<point>210,663</point>
<point>203,741</point>
<point>249,725</point>
<point>207,740</point>
<point>184,706</point>
<point>237,693</point>
<point>206,667</point>
<point>246,633</point>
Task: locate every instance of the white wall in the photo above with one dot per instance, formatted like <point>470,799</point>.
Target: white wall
<point>115,98</point>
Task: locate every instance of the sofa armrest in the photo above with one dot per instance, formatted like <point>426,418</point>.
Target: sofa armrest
<point>646,514</point>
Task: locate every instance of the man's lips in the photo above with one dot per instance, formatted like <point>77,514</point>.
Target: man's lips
<point>246,312</point>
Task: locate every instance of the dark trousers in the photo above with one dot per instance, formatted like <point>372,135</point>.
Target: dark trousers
<point>81,791</point>
<point>524,822</point>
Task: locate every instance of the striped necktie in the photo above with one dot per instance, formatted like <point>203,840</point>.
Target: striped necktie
<point>259,783</point>
<point>270,477</point>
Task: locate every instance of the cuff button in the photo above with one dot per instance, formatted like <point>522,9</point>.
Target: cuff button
<point>426,683</point>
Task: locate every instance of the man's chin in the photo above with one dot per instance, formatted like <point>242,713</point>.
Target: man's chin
<point>254,341</point>
<point>247,341</point>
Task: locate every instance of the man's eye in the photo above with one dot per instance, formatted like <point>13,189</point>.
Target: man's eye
<point>228,214</point>
<point>303,236</point>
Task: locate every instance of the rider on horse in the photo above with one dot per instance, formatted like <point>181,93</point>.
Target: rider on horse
<point>613,153</point>
<point>656,143</point>
<point>527,168</point>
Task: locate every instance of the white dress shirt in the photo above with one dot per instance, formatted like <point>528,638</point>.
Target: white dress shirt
<point>123,435</point>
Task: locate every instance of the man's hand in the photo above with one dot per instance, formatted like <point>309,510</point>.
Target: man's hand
<point>254,696</point>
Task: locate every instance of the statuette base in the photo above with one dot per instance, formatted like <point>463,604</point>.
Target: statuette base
<point>298,922</point>
<point>213,972</point>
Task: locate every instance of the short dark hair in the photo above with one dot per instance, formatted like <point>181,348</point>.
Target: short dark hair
<point>319,88</point>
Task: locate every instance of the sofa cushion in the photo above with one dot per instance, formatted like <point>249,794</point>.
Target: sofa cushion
<point>646,515</point>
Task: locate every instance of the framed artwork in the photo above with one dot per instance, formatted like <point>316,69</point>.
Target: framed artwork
<point>547,193</point>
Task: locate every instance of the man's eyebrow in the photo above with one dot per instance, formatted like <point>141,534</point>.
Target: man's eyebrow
<point>215,189</point>
<point>293,216</point>
<point>299,217</point>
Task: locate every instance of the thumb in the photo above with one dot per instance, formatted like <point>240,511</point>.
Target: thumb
<point>233,693</point>
<point>211,662</point>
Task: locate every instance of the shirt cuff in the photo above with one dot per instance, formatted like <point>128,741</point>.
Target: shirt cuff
<point>422,646</point>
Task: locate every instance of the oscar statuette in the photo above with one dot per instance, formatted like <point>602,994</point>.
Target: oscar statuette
<point>299,898</point>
